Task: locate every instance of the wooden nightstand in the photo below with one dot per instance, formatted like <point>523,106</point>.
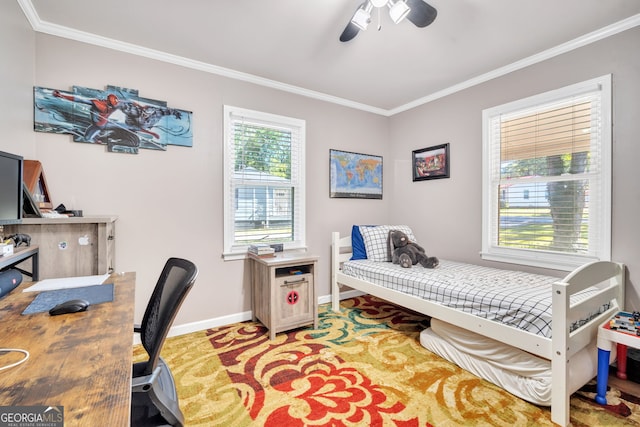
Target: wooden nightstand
<point>284,291</point>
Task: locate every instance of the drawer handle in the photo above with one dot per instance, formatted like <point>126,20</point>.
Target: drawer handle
<point>291,282</point>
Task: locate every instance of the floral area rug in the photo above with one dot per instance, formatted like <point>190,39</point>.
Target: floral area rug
<point>361,367</point>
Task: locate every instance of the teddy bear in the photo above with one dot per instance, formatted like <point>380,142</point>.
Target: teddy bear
<point>408,253</point>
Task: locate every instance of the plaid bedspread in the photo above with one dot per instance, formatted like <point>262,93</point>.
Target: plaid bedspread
<point>519,299</point>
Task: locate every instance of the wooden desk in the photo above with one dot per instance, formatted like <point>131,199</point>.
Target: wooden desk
<point>80,361</point>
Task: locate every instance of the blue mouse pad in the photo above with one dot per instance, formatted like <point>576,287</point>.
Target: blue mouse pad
<point>45,301</point>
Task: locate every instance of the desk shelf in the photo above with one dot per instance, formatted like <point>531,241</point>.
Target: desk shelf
<point>22,254</point>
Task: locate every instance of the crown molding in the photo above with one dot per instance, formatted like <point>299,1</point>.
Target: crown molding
<point>45,27</point>
<point>608,31</point>
<point>65,32</point>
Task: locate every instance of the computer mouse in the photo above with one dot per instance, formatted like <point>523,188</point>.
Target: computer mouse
<point>71,306</point>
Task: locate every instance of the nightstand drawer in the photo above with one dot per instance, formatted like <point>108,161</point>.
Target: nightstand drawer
<point>294,298</point>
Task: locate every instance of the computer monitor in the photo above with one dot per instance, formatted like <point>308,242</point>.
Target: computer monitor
<point>11,192</point>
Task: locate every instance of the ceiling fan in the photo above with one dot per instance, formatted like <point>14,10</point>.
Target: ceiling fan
<point>418,12</point>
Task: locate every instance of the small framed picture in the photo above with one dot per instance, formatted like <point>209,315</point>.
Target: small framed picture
<point>431,163</point>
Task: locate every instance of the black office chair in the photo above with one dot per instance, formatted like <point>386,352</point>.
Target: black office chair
<point>154,399</point>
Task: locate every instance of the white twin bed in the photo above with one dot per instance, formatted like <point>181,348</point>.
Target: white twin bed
<point>495,323</point>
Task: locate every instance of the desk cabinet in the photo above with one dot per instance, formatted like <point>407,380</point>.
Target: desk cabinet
<point>77,246</point>
<point>284,291</point>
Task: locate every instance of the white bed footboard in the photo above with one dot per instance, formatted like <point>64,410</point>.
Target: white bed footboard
<point>607,276</point>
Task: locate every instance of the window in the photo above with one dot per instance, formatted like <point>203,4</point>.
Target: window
<point>547,178</point>
<point>263,180</point>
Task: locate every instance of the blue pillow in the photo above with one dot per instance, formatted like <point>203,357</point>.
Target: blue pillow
<point>359,251</point>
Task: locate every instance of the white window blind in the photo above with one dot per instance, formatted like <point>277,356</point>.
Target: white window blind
<point>547,178</point>
<point>263,179</point>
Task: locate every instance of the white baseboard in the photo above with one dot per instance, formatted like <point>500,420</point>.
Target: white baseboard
<point>201,325</point>
<point>343,295</point>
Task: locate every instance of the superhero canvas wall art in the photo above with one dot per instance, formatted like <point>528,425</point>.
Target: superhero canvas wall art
<point>116,117</point>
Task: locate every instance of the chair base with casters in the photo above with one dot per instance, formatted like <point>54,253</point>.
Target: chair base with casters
<point>154,399</point>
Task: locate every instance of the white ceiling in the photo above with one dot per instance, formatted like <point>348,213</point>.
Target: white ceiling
<point>293,44</point>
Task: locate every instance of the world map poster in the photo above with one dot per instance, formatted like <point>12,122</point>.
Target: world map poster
<point>355,175</point>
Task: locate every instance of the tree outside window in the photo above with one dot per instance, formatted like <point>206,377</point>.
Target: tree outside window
<point>547,175</point>
<point>264,184</point>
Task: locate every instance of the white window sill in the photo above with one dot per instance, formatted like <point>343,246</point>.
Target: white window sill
<point>239,255</point>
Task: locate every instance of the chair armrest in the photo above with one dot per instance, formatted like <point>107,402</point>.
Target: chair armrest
<point>143,384</point>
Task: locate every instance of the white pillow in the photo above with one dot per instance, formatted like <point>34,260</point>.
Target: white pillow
<point>376,240</point>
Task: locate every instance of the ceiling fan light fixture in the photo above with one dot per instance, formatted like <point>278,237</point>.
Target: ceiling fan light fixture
<point>362,17</point>
<point>418,12</point>
<point>398,11</point>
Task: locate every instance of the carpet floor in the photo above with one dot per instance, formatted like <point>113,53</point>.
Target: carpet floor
<point>361,367</point>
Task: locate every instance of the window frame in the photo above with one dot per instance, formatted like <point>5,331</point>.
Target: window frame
<point>232,250</point>
<point>547,258</point>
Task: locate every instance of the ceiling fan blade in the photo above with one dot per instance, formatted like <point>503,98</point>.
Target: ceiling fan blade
<point>421,14</point>
<point>352,30</point>
<point>349,32</point>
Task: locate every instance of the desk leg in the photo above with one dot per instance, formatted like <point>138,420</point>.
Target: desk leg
<point>35,267</point>
<point>603,376</point>
<point>622,361</point>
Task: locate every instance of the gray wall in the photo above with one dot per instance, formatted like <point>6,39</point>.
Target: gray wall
<point>446,214</point>
<point>170,203</point>
<point>16,81</point>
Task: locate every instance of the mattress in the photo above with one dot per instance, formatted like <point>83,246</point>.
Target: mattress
<point>516,371</point>
<point>521,300</point>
